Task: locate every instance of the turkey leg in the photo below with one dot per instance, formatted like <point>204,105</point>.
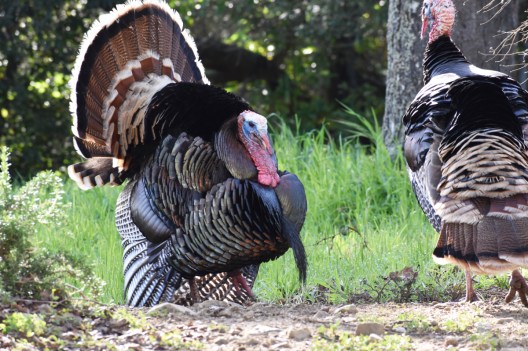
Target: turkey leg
<point>195,294</point>
<point>239,282</point>
<point>517,284</point>
<point>470,293</point>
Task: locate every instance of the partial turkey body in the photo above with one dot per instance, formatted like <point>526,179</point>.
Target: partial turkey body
<point>467,157</point>
<point>205,203</point>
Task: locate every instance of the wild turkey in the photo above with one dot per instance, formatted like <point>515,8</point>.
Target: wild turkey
<point>467,157</point>
<point>204,204</point>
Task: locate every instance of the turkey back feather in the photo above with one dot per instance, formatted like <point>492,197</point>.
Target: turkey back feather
<point>126,57</point>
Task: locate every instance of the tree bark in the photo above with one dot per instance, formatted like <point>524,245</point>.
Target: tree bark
<point>476,33</point>
<point>404,66</point>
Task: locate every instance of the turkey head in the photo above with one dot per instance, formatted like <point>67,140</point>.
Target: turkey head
<point>244,145</point>
<point>439,17</point>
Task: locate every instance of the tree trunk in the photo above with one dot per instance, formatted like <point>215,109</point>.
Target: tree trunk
<point>404,66</point>
<point>475,33</point>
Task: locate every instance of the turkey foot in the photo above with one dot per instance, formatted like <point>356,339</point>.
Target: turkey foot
<point>517,284</point>
<point>470,293</point>
<point>239,281</point>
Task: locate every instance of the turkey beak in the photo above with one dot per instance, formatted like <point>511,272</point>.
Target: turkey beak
<point>263,140</point>
<point>425,23</point>
<point>427,18</point>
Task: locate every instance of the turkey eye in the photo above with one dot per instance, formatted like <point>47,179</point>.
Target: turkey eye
<point>251,124</point>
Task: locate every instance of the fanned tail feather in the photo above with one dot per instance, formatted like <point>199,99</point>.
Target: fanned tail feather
<point>125,58</point>
<point>94,172</point>
<point>493,245</point>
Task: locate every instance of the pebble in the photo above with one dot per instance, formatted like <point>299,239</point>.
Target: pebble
<point>370,328</point>
<point>321,315</point>
<point>505,320</point>
<point>375,338</point>
<point>221,341</point>
<point>230,312</point>
<point>451,341</point>
<point>211,303</point>
<point>298,334</point>
<point>262,329</point>
<point>280,346</point>
<point>168,308</point>
<point>250,315</point>
<point>400,330</point>
<point>250,341</point>
<point>346,309</point>
<point>117,323</point>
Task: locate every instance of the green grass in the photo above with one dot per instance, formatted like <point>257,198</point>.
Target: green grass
<point>363,222</point>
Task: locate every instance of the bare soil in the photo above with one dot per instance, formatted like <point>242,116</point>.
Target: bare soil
<point>216,325</point>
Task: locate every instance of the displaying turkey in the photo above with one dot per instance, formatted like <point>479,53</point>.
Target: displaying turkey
<point>204,204</point>
<point>465,146</point>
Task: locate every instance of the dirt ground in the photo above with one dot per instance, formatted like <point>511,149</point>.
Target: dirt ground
<point>215,325</point>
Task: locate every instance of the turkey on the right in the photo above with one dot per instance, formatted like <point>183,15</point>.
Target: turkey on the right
<point>466,136</point>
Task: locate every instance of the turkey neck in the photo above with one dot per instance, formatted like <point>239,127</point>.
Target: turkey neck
<point>230,150</point>
<point>442,56</point>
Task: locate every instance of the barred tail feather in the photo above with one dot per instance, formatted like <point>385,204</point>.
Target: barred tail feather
<point>491,246</point>
<point>218,286</point>
<point>94,172</point>
<point>149,277</point>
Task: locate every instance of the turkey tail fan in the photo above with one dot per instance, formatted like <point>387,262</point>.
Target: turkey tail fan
<point>125,58</point>
<point>491,246</point>
<point>149,277</point>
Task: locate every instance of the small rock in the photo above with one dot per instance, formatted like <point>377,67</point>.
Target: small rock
<point>451,341</point>
<point>167,308</point>
<point>232,311</point>
<point>211,303</point>
<point>117,323</point>
<point>346,309</point>
<point>280,346</point>
<point>235,331</point>
<point>262,329</point>
<point>298,334</point>
<point>375,338</point>
<point>400,330</point>
<point>250,341</point>
<point>370,328</point>
<point>505,320</point>
<point>250,315</point>
<point>321,315</point>
<point>221,341</point>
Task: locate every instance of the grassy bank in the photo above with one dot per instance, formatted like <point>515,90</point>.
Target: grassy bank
<point>363,223</point>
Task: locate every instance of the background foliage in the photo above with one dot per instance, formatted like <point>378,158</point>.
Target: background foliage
<point>284,56</point>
